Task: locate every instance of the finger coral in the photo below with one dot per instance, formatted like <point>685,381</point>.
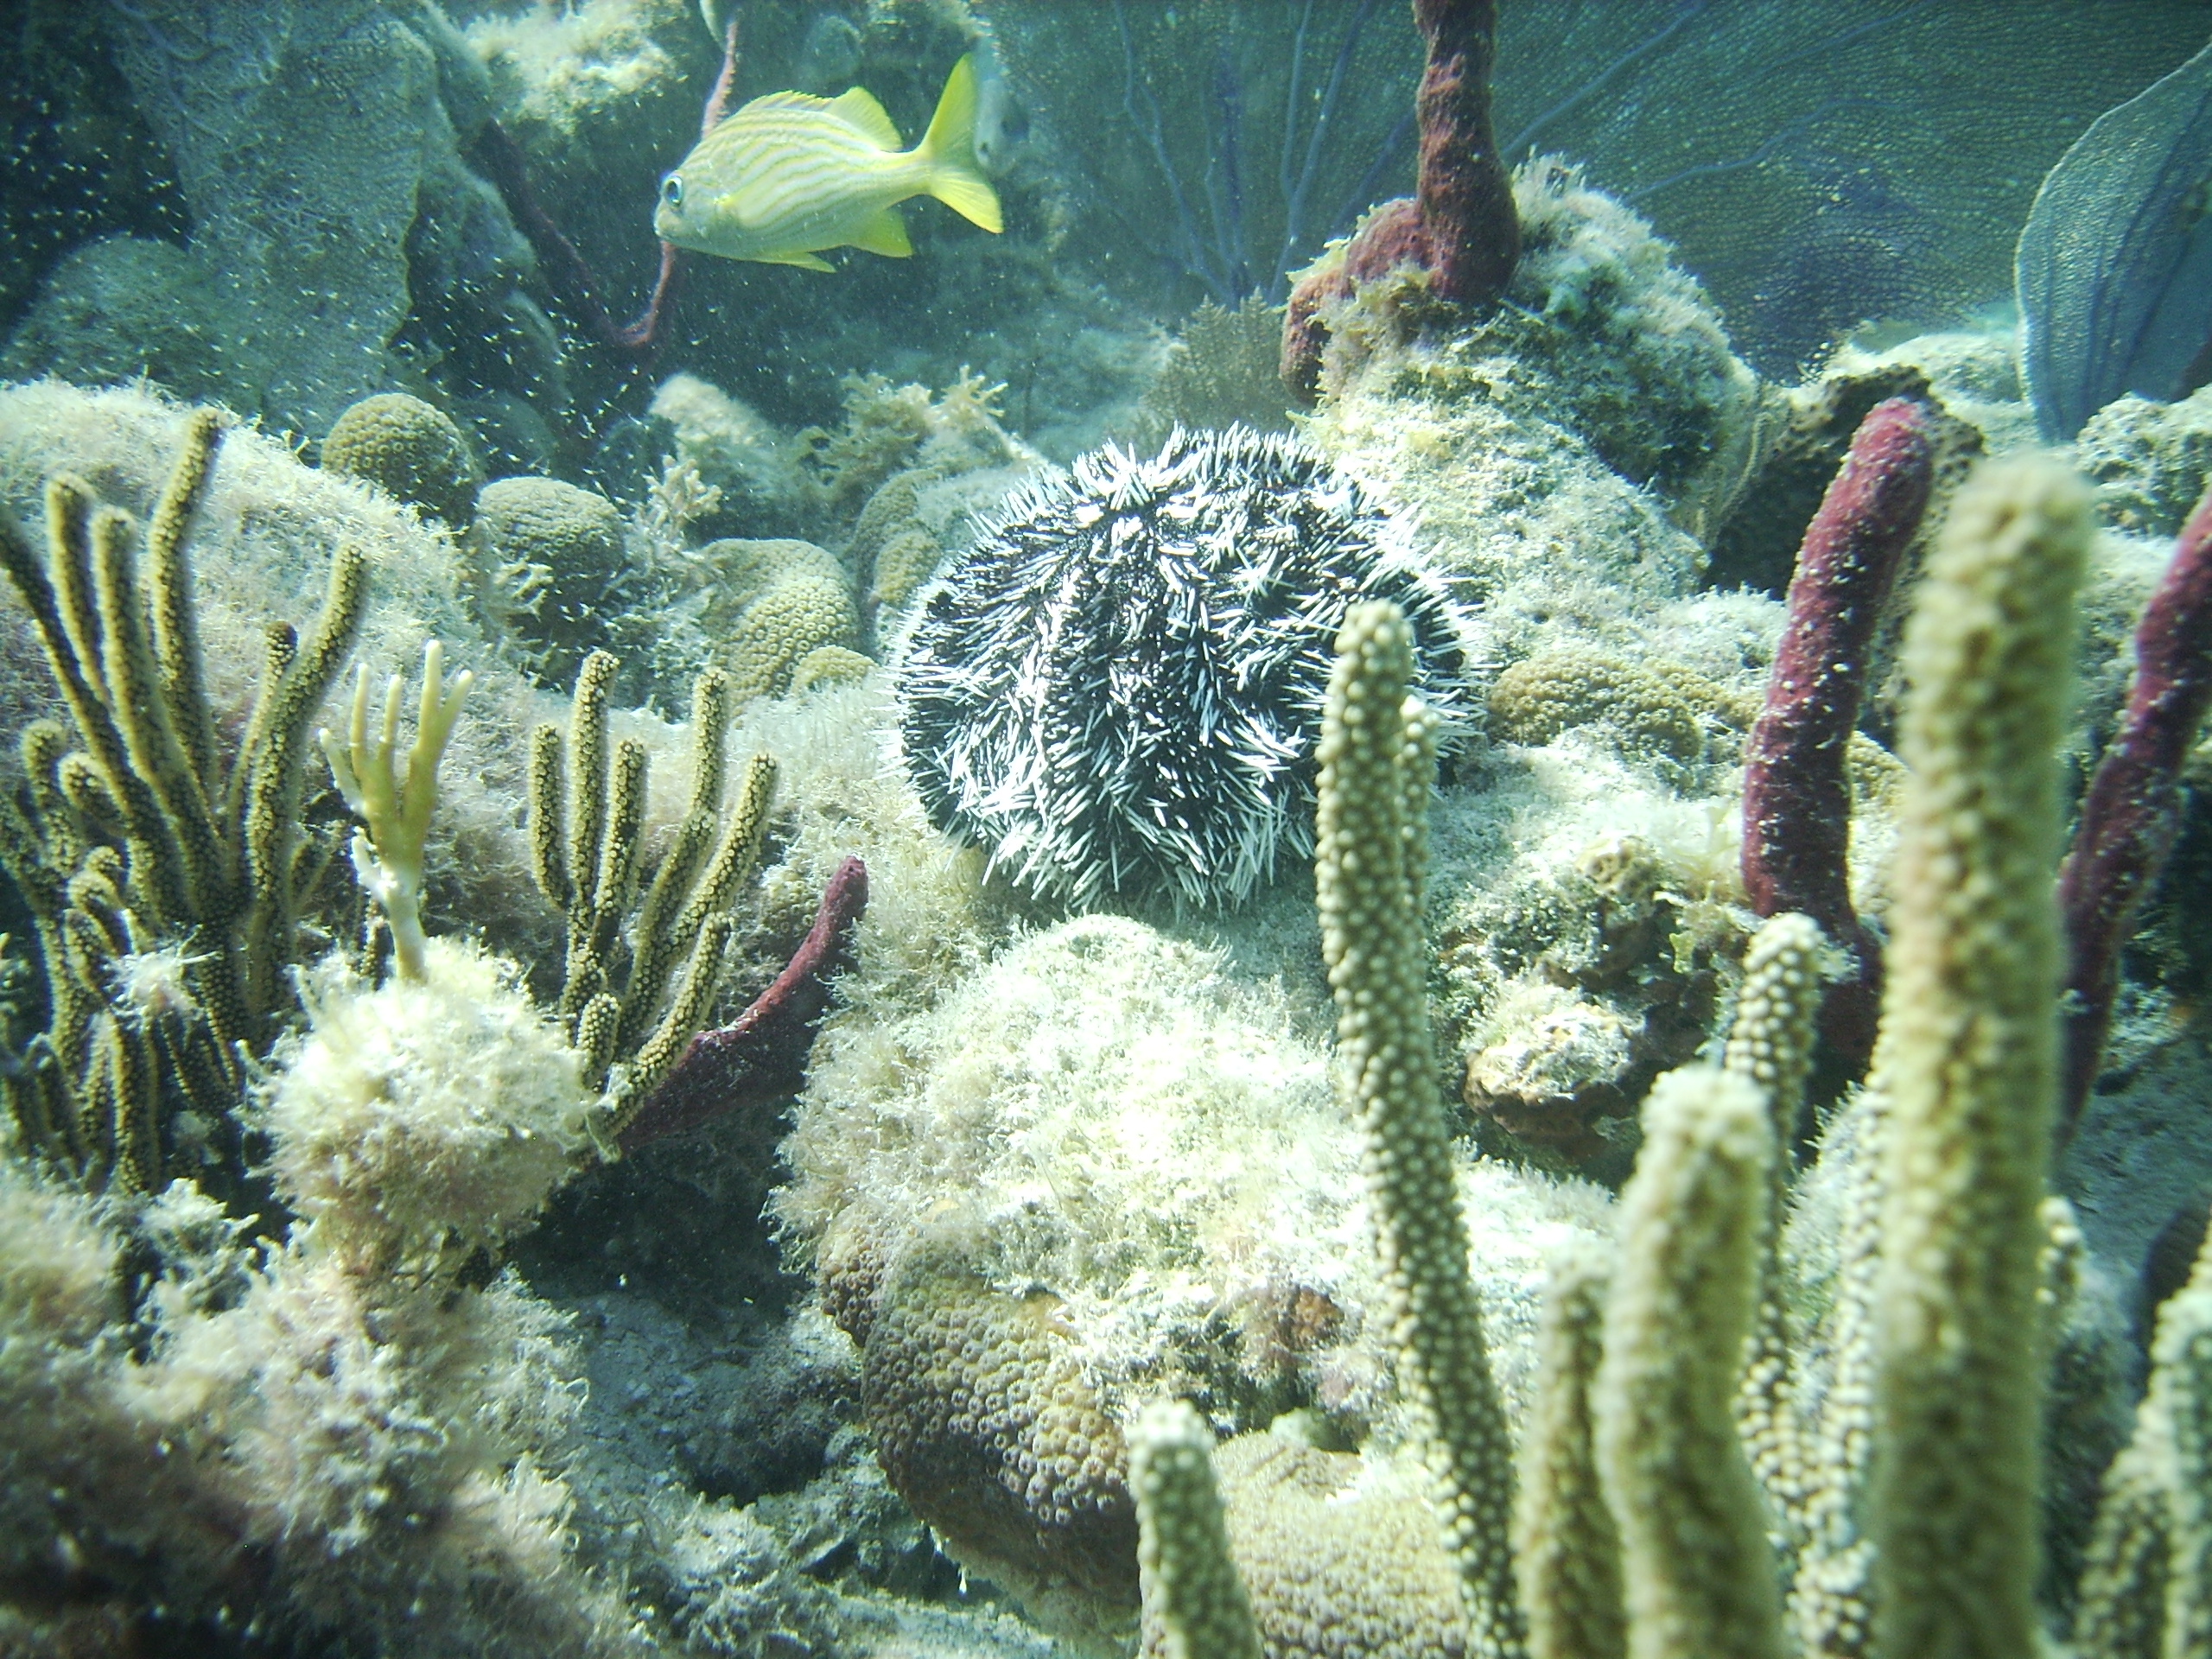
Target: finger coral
<point>1968,1065</point>
<point>1117,689</point>
<point>1378,761</point>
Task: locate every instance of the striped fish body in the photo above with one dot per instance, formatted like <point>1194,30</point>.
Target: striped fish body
<point>789,175</point>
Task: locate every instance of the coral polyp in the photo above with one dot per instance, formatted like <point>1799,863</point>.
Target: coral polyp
<point>1116,690</point>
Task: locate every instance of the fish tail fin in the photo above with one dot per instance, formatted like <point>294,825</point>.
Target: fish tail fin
<point>949,149</point>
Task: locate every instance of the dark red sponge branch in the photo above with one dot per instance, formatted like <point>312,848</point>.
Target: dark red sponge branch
<point>2132,810</point>
<point>1459,226</point>
<point>1796,792</point>
<point>760,1059</point>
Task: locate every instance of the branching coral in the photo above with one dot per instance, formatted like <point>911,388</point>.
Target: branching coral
<point>395,798</point>
<point>586,812</point>
<point>146,835</point>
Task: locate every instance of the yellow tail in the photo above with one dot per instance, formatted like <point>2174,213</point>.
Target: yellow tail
<point>949,149</point>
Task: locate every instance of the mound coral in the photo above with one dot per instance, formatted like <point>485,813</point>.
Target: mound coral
<point>772,604</point>
<point>551,566</point>
<point>408,449</point>
<point>1116,689</point>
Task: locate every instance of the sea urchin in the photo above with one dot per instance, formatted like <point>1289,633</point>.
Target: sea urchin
<point>1117,689</point>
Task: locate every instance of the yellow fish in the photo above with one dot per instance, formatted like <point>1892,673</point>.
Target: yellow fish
<point>789,174</point>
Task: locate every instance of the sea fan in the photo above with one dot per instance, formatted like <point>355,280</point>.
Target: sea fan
<point>1117,689</point>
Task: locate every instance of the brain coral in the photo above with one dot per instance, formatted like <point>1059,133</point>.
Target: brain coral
<point>409,450</point>
<point>1117,689</point>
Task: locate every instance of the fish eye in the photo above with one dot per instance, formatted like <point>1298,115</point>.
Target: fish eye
<point>671,190</point>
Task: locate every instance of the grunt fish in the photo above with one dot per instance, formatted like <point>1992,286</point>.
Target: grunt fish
<point>790,175</point>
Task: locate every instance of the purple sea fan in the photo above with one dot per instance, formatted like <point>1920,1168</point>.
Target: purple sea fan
<point>1117,689</point>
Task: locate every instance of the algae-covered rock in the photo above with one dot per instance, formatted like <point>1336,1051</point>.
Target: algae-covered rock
<point>422,1119</point>
<point>1107,1144</point>
<point>2150,460</point>
<point>1601,398</point>
<point>409,450</point>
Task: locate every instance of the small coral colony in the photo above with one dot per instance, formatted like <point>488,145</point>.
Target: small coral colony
<point>1446,961</point>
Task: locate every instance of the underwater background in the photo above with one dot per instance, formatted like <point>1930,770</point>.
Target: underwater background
<point>1331,827</point>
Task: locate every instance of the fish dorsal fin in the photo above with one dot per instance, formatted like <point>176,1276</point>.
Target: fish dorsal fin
<point>858,109</point>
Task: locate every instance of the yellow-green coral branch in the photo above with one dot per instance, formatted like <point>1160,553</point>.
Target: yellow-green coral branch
<point>396,799</point>
<point>1967,1060</point>
<point>1565,1542</point>
<point>1195,1604</point>
<point>1699,1573</point>
<point>1377,755</point>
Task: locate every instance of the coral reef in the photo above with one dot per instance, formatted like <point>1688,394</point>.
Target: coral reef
<point>262,547</point>
<point>408,449</point>
<point>1182,1253</point>
<point>1606,347</point>
<point>900,1163</point>
<point>1219,565</point>
<point>296,1432</point>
